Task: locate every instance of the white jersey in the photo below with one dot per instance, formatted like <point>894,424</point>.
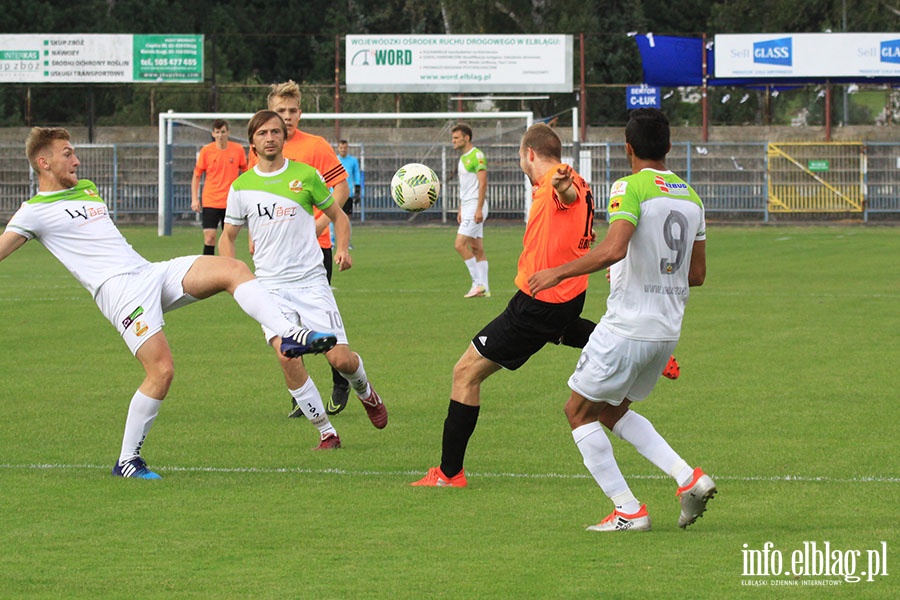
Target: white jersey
<point>74,225</point>
<point>649,287</point>
<point>278,210</point>
<point>468,167</point>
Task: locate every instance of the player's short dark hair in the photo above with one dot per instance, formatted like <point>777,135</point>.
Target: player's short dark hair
<point>648,133</point>
<point>39,139</point>
<point>463,129</point>
<point>541,138</point>
<point>343,142</point>
<point>220,123</point>
<point>261,118</point>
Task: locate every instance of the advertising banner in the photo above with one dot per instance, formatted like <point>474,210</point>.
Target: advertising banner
<point>100,58</point>
<point>459,63</point>
<point>819,55</point>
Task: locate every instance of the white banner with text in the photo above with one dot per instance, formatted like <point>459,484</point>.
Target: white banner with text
<point>807,55</point>
<point>459,63</point>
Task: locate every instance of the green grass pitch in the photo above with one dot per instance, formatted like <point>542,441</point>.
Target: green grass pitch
<point>787,397</point>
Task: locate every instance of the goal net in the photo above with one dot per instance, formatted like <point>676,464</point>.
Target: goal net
<point>382,142</point>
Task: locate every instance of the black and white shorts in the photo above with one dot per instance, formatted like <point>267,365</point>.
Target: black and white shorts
<point>524,328</point>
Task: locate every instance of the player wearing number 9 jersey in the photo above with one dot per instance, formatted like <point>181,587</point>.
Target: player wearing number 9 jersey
<point>649,286</point>
<point>656,249</point>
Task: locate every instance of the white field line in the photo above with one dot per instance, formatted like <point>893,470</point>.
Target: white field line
<point>371,473</point>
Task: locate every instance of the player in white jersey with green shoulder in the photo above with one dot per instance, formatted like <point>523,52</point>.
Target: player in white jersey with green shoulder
<point>655,249</point>
<point>71,220</point>
<point>473,209</point>
<point>275,200</point>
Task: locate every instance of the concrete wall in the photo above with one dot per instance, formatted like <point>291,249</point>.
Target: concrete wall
<point>12,136</point>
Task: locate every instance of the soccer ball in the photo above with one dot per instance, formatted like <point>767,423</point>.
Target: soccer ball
<point>415,187</point>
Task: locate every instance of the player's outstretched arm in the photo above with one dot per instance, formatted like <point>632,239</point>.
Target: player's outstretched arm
<point>10,241</point>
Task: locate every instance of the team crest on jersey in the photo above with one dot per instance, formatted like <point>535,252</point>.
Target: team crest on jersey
<point>614,205</point>
<point>296,186</point>
<point>670,187</point>
<point>90,192</point>
<point>618,188</point>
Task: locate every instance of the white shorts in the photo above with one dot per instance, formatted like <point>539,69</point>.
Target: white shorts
<point>467,225</point>
<point>612,368</point>
<point>135,302</point>
<point>313,307</point>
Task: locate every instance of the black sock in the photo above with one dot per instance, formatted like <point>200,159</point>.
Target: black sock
<point>458,428</point>
<point>337,380</point>
<point>208,250</point>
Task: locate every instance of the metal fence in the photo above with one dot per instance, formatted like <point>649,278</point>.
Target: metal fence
<point>731,178</point>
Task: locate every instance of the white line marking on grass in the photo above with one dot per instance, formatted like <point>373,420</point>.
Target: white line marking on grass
<point>366,472</point>
<point>765,294</point>
<point>42,299</point>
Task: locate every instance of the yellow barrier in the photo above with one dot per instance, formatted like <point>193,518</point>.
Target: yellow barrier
<point>816,177</point>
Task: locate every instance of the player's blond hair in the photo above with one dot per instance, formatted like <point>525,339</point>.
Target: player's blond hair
<point>41,138</point>
<point>288,89</point>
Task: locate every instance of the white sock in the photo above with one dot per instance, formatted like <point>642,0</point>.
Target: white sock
<point>473,269</point>
<point>482,267</point>
<point>358,380</point>
<point>597,452</point>
<point>640,433</point>
<point>310,402</point>
<point>141,413</point>
<point>254,300</point>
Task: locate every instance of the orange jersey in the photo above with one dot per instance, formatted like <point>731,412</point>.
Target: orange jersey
<point>314,150</point>
<point>556,233</point>
<point>221,167</point>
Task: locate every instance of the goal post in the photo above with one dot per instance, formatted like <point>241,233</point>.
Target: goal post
<point>382,142</point>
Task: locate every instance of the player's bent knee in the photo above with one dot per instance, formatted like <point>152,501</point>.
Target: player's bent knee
<point>342,358</point>
<point>466,372</point>
<point>231,272</point>
<point>161,374</point>
<point>581,411</point>
<point>239,268</point>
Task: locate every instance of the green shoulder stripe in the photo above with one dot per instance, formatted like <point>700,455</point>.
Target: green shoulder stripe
<point>299,182</point>
<point>84,191</point>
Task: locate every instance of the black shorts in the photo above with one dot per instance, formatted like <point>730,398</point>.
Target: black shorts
<point>328,261</point>
<point>524,327</point>
<point>213,218</point>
